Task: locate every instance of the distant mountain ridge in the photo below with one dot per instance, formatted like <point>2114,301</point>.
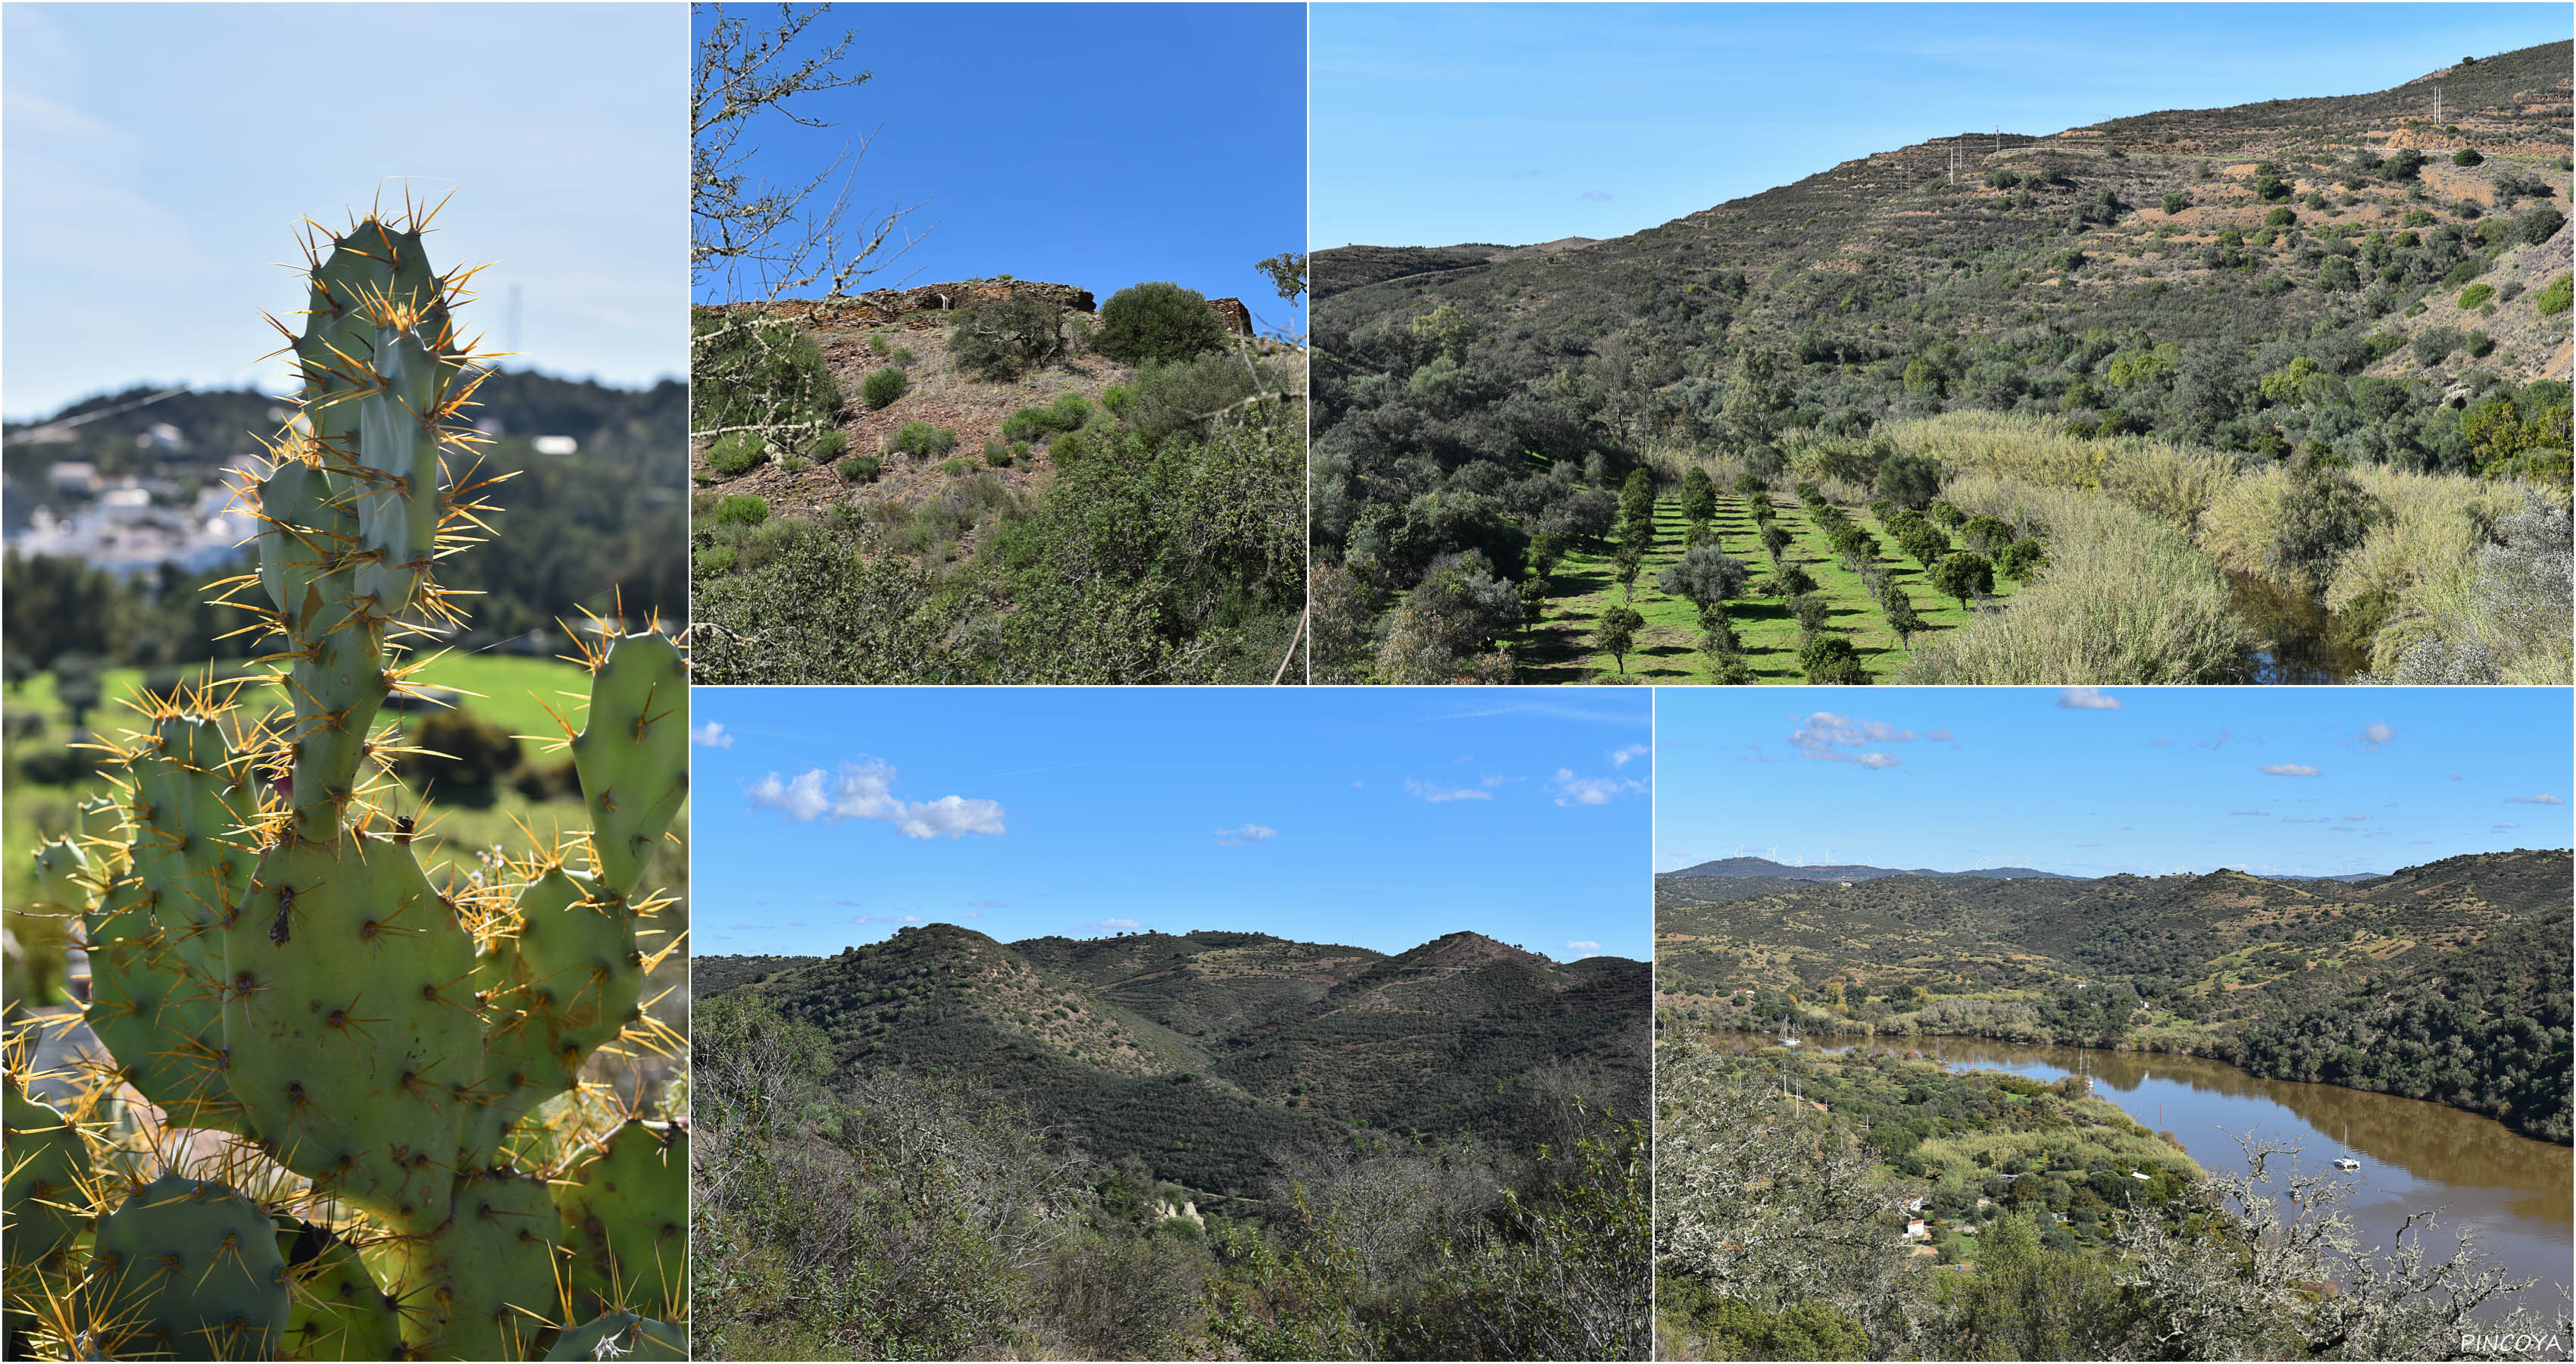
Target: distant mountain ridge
<point>1765,867</point>
<point>1203,1053</point>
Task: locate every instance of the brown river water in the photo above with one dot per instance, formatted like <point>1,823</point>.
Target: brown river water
<point>2517,1193</point>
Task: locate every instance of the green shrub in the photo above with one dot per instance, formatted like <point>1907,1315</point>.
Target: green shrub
<point>2539,225</point>
<point>1179,397</point>
<point>1007,337</point>
<point>2020,559</point>
<point>794,464</point>
<point>741,509</point>
<point>903,358</point>
<point>2176,202</point>
<point>827,447</point>
<point>1116,397</point>
<point>2416,217</point>
<point>877,342</point>
<point>884,386</point>
<point>1157,321</point>
<point>2435,345</point>
<point>2555,299</point>
<point>2476,294</point>
<point>736,453</point>
<point>1066,413</point>
<point>923,439</point>
<point>957,467</point>
<point>2466,156</point>
<point>757,374</point>
<point>2481,345</point>
<point>2282,216</point>
<point>712,560</point>
<point>860,468</point>
<point>1829,661</point>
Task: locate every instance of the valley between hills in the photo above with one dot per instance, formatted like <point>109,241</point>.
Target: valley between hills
<point>2446,981</point>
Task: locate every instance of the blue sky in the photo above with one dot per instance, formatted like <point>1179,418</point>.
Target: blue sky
<point>2086,782</point>
<point>1377,817</point>
<point>1437,124</point>
<point>1093,145</point>
<point>157,160</point>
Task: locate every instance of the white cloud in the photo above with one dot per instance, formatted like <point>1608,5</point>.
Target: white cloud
<point>2533,800</point>
<point>1249,833</point>
<point>2287,770</point>
<point>2355,819</point>
<point>2375,734</point>
<point>1942,736</point>
<point>1436,794</point>
<point>1581,948</point>
<point>1620,758</point>
<point>2085,698</point>
<point>2508,824</point>
<point>1825,734</point>
<point>1595,196</point>
<point>2249,812</point>
<point>1573,790</point>
<point>1111,925</point>
<point>710,735</point>
<point>866,791</point>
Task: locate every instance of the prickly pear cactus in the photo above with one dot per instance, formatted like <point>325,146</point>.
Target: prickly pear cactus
<point>331,1086</point>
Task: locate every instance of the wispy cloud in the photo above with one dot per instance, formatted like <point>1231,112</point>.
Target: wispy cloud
<point>2504,825</point>
<point>988,904</point>
<point>1825,736</point>
<point>1436,793</point>
<point>1595,196</point>
<point>1581,948</point>
<point>1249,833</point>
<point>2534,800</point>
<point>2085,698</point>
<point>1620,758</point>
<point>865,790</point>
<point>2249,812</point>
<point>2287,770</point>
<point>885,918</point>
<point>1573,790</point>
<point>1111,925</point>
<point>711,735</point>
<point>2375,735</point>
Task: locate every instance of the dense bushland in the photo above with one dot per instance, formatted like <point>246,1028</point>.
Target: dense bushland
<point>1167,546</point>
<point>1783,1186</point>
<point>865,1211</point>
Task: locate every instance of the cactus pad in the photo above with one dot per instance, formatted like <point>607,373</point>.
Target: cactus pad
<point>187,1269</point>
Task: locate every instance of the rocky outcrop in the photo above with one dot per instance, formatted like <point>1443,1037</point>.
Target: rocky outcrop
<point>1237,318</point>
<point>888,304</point>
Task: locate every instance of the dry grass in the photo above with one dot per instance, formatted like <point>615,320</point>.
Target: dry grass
<point>2125,598</point>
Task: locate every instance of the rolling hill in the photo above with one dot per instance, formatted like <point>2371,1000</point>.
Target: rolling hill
<point>2182,314</point>
<point>1766,868</point>
<point>1203,1053</point>
<point>2446,981</point>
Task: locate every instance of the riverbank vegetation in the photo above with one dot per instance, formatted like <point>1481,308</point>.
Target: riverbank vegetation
<point>862,1211</point>
<point>1872,1207</point>
<point>2445,982</point>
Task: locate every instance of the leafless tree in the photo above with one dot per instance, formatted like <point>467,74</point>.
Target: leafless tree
<point>789,250</point>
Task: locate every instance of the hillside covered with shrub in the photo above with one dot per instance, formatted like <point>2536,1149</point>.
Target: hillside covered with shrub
<point>1205,1054</point>
<point>2276,392</point>
<point>990,482</point>
<point>2446,981</point>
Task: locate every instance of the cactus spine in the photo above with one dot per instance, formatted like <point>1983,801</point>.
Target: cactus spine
<point>387,1058</point>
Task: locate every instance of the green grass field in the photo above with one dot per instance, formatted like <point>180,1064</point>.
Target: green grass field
<point>510,690</point>
<point>1668,648</point>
